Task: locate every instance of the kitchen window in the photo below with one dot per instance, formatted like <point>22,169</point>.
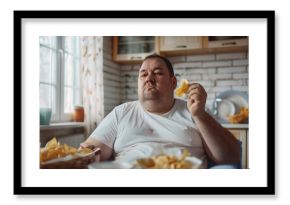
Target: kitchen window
<point>60,75</point>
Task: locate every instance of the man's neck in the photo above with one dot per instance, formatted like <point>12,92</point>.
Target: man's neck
<point>158,107</point>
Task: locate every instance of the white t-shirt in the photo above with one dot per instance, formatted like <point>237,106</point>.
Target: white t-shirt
<point>134,133</point>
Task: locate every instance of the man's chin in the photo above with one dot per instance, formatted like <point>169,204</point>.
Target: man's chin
<point>150,95</point>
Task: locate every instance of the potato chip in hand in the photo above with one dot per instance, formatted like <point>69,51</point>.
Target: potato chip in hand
<point>85,150</point>
<point>183,87</point>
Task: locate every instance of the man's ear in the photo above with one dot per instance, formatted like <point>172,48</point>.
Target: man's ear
<point>174,82</point>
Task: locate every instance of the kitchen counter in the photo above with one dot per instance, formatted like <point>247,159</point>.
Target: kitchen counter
<point>236,126</point>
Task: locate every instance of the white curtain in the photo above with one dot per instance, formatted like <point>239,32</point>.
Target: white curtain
<point>92,81</point>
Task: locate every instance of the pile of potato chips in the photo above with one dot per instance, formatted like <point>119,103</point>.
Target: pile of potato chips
<point>240,117</point>
<point>165,162</point>
<point>54,150</point>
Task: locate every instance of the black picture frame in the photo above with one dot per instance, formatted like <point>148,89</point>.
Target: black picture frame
<point>19,189</point>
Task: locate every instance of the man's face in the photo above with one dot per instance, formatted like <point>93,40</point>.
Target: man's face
<point>154,81</point>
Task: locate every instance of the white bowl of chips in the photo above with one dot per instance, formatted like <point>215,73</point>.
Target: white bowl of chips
<point>170,159</point>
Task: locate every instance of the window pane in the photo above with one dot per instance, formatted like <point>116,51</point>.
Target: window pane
<point>47,71</point>
<point>68,44</point>
<point>77,73</point>
<point>47,96</point>
<point>68,99</point>
<point>68,70</point>
<point>72,74</point>
<point>72,61</point>
<point>77,97</point>
<point>77,47</point>
<point>49,41</point>
<point>72,97</point>
<point>72,45</point>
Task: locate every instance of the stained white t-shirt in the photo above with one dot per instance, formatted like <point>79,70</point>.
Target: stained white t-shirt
<point>133,132</point>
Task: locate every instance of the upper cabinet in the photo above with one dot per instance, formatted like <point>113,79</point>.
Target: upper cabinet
<point>183,45</point>
<point>128,49</point>
<point>133,49</point>
<point>179,43</point>
<point>226,43</point>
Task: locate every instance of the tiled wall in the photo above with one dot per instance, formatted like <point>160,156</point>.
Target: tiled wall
<point>216,72</point>
<point>112,78</point>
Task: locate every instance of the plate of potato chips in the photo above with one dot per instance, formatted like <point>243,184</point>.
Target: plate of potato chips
<point>174,159</point>
<point>62,156</point>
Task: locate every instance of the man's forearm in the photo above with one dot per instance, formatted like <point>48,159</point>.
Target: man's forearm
<point>221,145</point>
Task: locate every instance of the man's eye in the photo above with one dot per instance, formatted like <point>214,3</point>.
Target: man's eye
<point>159,73</point>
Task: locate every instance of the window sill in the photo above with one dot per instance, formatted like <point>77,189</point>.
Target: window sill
<point>63,125</point>
<point>67,132</point>
<point>61,129</point>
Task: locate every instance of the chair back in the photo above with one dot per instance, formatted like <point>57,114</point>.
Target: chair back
<point>228,166</point>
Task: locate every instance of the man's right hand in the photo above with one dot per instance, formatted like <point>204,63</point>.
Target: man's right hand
<point>87,145</point>
<point>106,152</point>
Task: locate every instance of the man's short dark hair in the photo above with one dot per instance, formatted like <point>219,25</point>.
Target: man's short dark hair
<point>165,60</point>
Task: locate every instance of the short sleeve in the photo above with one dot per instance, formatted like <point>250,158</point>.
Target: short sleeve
<point>106,131</point>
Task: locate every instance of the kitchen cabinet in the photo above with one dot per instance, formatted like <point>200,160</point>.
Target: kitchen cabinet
<point>180,44</point>
<point>242,136</point>
<point>133,49</point>
<point>226,43</point>
<point>184,45</point>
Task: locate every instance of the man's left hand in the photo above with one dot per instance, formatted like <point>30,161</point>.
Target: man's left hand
<point>196,99</point>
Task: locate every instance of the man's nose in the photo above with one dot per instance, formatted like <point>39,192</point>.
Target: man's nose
<point>150,77</point>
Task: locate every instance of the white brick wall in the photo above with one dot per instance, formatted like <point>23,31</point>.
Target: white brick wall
<point>241,88</point>
<point>217,64</point>
<point>201,58</point>
<point>230,82</point>
<point>234,69</point>
<point>217,76</point>
<point>240,62</point>
<point>228,56</point>
<point>203,71</point>
<point>177,59</point>
<point>188,65</point>
<point>240,76</point>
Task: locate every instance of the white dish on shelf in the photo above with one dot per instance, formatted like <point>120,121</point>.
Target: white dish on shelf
<point>237,98</point>
<point>225,109</point>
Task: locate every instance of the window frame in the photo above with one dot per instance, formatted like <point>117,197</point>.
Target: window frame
<point>60,115</point>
